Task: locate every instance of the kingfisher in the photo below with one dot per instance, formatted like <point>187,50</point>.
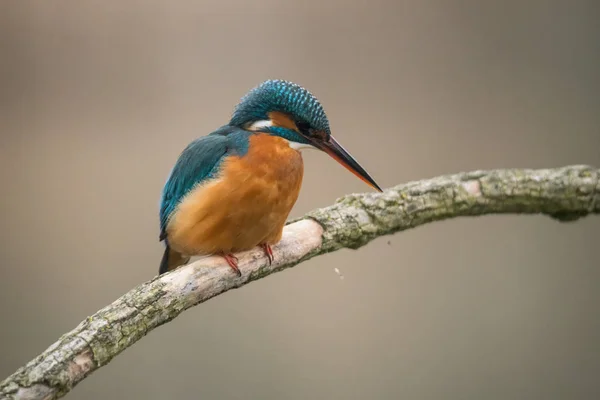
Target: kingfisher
<point>233,189</point>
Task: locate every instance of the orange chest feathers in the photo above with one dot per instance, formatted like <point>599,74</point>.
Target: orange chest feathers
<point>245,206</point>
<point>269,161</point>
<point>268,177</point>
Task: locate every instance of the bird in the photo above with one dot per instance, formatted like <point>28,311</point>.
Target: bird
<point>233,189</point>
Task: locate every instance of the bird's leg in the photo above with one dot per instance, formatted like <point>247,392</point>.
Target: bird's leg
<point>233,262</point>
<point>268,251</point>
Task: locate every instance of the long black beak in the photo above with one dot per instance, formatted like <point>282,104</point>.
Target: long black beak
<point>338,153</point>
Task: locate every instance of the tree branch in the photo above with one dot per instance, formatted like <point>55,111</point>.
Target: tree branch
<point>565,194</point>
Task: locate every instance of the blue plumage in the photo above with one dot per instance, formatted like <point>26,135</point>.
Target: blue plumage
<point>199,161</point>
<point>284,96</point>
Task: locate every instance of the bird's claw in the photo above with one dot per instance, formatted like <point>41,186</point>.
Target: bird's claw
<point>233,260</point>
<point>233,263</point>
<point>268,251</point>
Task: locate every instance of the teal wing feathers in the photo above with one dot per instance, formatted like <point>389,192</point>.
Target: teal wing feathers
<point>198,162</point>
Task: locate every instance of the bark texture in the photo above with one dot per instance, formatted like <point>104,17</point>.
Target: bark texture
<point>565,194</point>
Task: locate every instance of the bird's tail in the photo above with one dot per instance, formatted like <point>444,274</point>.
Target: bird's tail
<point>171,260</point>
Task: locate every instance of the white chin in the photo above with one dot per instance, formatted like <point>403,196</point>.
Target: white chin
<point>300,146</point>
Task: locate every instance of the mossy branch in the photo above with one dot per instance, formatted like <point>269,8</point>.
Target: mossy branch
<point>565,194</point>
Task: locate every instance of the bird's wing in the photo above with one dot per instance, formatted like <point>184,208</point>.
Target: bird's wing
<point>199,161</point>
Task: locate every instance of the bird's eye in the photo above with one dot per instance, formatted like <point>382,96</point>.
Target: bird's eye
<point>303,127</point>
<point>318,134</point>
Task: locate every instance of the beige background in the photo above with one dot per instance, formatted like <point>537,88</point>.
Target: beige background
<point>99,97</point>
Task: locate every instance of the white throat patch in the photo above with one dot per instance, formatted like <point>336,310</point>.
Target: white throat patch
<point>300,146</point>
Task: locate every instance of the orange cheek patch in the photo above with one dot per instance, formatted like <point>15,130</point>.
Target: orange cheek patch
<point>283,120</point>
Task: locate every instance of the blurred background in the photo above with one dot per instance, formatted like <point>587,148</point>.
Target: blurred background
<point>98,98</point>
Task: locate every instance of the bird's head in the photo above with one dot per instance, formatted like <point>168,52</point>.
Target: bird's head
<point>288,110</point>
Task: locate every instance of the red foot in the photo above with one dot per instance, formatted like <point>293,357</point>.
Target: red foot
<point>233,263</point>
<point>268,252</point>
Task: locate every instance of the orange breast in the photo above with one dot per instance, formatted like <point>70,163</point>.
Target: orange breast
<point>248,205</point>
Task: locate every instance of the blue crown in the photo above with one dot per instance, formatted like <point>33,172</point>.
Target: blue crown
<point>283,96</point>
